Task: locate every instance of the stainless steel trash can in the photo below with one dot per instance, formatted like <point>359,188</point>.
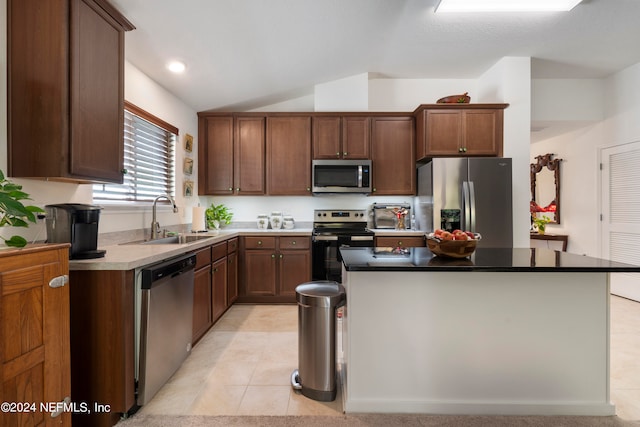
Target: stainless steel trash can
<point>317,304</point>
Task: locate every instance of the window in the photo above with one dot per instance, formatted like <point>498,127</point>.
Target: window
<point>149,159</point>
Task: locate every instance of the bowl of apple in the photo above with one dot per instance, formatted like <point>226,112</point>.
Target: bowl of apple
<point>454,244</point>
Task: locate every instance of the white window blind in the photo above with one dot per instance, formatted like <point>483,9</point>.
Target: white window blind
<point>149,161</point>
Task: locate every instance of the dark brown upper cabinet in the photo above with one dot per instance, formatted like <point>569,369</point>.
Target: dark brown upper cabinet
<point>393,156</point>
<point>231,157</point>
<point>66,90</point>
<point>444,130</point>
<point>341,137</point>
<point>289,155</point>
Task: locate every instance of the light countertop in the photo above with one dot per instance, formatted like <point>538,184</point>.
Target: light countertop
<point>131,256</point>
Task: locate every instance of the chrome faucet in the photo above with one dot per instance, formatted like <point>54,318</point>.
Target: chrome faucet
<point>155,226</point>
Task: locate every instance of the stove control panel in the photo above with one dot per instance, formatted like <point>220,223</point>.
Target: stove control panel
<point>352,215</point>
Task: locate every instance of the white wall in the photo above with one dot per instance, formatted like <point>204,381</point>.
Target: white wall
<point>347,94</point>
<point>622,107</point>
<point>567,100</point>
<point>616,98</point>
<point>407,94</point>
<point>578,186</point>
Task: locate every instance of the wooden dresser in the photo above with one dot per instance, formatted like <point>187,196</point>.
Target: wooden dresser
<point>34,310</point>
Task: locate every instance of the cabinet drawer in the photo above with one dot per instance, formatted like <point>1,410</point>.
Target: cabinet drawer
<point>203,257</point>
<point>232,245</point>
<point>260,242</point>
<point>297,242</point>
<point>219,250</point>
<point>400,241</point>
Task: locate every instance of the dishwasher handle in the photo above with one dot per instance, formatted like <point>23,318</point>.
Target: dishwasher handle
<point>170,268</point>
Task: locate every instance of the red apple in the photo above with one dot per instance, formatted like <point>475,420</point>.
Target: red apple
<point>446,236</point>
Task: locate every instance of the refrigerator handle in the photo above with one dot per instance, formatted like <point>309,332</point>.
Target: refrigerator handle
<point>466,206</point>
<point>472,207</point>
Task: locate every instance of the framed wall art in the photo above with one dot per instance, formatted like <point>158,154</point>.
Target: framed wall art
<point>188,188</point>
<point>188,166</point>
<point>188,143</point>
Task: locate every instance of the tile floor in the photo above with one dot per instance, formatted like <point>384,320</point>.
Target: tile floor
<point>243,365</point>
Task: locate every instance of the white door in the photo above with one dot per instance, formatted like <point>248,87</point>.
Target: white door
<point>620,179</point>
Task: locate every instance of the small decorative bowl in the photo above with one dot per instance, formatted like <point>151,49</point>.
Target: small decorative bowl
<point>452,248</point>
<point>455,99</point>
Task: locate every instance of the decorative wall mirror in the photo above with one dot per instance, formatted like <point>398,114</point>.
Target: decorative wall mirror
<point>545,188</point>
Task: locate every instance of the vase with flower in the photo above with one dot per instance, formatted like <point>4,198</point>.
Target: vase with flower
<point>540,223</point>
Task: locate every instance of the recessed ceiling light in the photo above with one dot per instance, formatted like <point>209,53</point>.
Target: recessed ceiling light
<point>506,5</point>
<point>176,66</point>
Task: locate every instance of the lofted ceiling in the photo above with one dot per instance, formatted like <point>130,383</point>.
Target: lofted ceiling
<point>244,54</point>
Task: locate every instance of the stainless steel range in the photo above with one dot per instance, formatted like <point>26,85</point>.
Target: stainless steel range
<point>333,229</point>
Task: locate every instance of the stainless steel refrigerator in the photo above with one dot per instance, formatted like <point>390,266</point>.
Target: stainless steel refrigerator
<point>471,194</point>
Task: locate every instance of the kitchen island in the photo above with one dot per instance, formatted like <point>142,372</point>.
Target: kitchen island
<point>507,331</point>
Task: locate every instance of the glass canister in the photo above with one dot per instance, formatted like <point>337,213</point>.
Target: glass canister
<point>263,221</point>
<point>275,219</point>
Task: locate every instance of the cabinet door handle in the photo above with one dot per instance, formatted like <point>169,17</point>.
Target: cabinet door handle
<point>459,150</point>
<point>58,282</point>
<point>273,255</point>
<point>399,242</point>
<point>124,171</point>
<point>308,188</point>
<point>345,154</point>
<point>293,242</point>
<point>230,188</point>
<point>259,242</point>
<point>338,154</point>
<point>464,149</point>
<point>280,256</point>
<point>238,189</point>
<point>58,412</point>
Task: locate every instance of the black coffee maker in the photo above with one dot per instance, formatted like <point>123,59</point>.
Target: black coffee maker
<point>77,224</point>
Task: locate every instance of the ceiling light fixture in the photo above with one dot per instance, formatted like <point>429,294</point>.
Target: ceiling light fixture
<point>176,67</point>
<point>506,5</point>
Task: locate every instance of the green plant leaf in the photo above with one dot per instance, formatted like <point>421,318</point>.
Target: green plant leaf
<point>17,222</point>
<point>35,209</point>
<point>16,242</point>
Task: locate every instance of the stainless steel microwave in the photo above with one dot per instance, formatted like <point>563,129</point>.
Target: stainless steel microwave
<point>341,176</point>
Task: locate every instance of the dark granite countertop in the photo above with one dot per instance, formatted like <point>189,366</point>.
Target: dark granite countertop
<point>483,259</point>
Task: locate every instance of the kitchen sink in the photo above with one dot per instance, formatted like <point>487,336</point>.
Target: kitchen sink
<point>171,240</point>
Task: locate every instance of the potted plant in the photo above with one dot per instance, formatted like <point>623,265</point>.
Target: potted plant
<point>12,212</point>
<point>540,223</point>
<point>217,215</point>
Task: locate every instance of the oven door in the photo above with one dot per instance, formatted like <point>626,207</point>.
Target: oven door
<point>325,254</point>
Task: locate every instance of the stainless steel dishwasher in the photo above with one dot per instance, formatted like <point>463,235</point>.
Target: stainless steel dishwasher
<point>166,318</point>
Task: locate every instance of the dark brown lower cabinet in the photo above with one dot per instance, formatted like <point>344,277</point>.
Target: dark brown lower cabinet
<point>400,241</point>
<point>102,344</point>
<point>219,287</point>
<point>202,317</point>
<point>215,284</point>
<point>271,268</point>
<point>232,278</point>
